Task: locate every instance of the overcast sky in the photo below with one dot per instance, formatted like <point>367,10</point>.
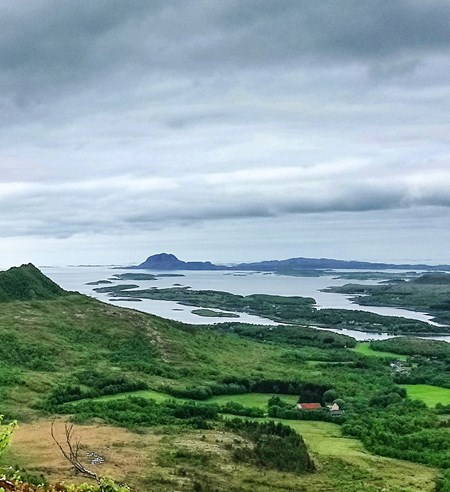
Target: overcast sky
<point>224,130</point>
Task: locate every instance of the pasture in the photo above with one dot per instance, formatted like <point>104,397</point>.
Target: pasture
<point>364,348</point>
<point>430,395</point>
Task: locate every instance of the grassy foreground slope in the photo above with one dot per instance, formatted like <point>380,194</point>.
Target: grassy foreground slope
<point>158,462</point>
<point>71,346</point>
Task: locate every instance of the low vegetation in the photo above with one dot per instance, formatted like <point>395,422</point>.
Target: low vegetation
<point>176,390</point>
<point>413,347</point>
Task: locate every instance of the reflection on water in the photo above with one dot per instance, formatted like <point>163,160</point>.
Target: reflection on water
<point>241,283</point>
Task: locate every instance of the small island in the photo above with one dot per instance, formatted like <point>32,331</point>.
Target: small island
<point>170,275</point>
<point>126,299</point>
<point>210,313</point>
<point>134,276</point>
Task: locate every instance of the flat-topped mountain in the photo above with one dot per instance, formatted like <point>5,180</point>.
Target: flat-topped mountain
<point>26,283</point>
<point>166,261</point>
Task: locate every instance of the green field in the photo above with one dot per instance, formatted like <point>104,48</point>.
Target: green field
<point>247,399</point>
<point>365,349</point>
<point>325,439</point>
<point>251,399</point>
<point>431,395</point>
<point>150,394</point>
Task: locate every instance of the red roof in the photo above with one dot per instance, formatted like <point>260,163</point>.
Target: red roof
<point>310,406</point>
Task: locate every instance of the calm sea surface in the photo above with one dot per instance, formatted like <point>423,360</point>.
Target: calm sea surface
<point>243,283</point>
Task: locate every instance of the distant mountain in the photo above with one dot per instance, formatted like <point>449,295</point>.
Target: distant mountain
<point>327,263</point>
<point>26,283</point>
<point>165,261</point>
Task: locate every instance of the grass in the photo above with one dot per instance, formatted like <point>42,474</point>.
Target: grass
<point>430,395</point>
<point>125,453</point>
<point>104,338</point>
<point>150,394</point>
<point>97,337</point>
<point>325,438</point>
<point>251,399</point>
<point>364,348</point>
<point>247,399</point>
<point>150,461</point>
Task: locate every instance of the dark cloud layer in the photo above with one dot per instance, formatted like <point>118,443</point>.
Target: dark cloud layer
<point>48,44</point>
<point>120,116</point>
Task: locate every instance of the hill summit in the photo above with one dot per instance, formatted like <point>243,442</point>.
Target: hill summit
<point>26,283</point>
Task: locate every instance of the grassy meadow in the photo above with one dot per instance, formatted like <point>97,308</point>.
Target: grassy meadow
<point>430,395</point>
<point>364,348</point>
<point>257,400</point>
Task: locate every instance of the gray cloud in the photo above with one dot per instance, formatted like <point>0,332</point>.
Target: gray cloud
<point>56,45</point>
<point>125,203</point>
<point>125,116</point>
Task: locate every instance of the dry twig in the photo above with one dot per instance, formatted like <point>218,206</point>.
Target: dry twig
<point>7,485</point>
<point>71,451</point>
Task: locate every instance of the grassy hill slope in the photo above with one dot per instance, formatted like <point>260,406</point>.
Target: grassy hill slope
<point>66,347</point>
<point>26,283</point>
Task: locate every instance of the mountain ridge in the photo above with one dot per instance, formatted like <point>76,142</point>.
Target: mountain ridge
<point>168,261</point>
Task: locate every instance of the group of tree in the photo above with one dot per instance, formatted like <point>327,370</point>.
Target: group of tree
<point>275,446</point>
<point>391,425</point>
<point>90,384</point>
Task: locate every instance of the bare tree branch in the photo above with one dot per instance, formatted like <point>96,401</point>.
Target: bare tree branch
<point>71,452</point>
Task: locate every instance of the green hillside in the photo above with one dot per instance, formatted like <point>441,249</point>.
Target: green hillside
<point>159,398</point>
<point>26,283</point>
